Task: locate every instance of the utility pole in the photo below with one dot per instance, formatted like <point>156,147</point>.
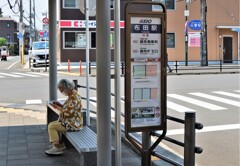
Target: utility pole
<point>30,22</point>
<point>21,35</point>
<point>186,14</point>
<point>0,12</point>
<point>204,51</point>
<point>34,13</point>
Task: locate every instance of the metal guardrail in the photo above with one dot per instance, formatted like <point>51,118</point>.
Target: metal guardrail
<point>189,136</point>
<point>217,65</point>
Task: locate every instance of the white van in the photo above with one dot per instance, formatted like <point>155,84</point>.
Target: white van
<point>40,53</point>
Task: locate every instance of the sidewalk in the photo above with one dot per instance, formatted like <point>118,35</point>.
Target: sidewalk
<point>24,139</point>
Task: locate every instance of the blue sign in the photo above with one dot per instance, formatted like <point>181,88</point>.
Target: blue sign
<point>19,35</point>
<point>45,34</point>
<point>195,24</point>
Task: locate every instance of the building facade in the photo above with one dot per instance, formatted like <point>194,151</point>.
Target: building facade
<point>8,30</point>
<point>222,22</point>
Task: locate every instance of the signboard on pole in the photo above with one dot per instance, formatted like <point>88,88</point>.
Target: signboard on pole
<point>145,79</point>
<point>194,39</point>
<point>45,20</point>
<point>195,24</point>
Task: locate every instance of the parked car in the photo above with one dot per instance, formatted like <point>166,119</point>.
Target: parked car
<point>39,53</point>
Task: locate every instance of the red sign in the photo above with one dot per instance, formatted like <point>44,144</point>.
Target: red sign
<point>45,20</point>
<point>82,24</point>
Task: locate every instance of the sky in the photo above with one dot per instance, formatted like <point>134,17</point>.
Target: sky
<point>41,6</point>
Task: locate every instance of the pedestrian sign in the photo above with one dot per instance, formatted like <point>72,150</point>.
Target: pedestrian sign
<point>45,34</point>
<point>19,35</point>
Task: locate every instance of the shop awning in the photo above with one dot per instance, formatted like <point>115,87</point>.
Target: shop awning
<point>233,28</point>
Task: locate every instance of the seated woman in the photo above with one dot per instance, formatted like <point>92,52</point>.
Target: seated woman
<point>70,116</point>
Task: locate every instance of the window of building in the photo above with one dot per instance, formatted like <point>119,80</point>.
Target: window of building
<point>70,3</point>
<point>93,40</point>
<point>73,40</point>
<point>170,40</point>
<point>8,37</point>
<point>170,5</point>
<point>8,25</point>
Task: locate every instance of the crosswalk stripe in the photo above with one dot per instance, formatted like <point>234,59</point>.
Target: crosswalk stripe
<point>237,90</point>
<point>11,75</point>
<point>220,99</point>
<point>2,77</point>
<point>196,102</point>
<point>178,107</point>
<point>206,129</point>
<point>24,74</point>
<point>227,94</point>
<point>41,74</point>
<point>37,101</point>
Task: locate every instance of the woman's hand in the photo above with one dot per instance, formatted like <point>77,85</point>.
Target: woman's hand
<point>57,103</point>
<point>57,107</point>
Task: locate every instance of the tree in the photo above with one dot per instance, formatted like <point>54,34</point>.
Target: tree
<point>3,41</point>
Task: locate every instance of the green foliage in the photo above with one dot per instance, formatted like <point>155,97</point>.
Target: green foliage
<point>11,49</point>
<point>3,41</point>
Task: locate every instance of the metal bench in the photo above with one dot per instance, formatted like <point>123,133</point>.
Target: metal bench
<point>85,142</point>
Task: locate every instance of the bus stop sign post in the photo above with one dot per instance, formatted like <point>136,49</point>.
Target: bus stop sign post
<point>145,81</point>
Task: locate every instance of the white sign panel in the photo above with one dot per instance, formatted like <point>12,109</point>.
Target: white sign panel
<point>194,39</point>
<point>145,67</point>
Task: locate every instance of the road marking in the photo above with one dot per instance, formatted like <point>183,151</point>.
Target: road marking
<point>37,101</point>
<point>12,65</point>
<point>220,99</point>
<point>10,75</point>
<point>2,77</point>
<point>237,90</point>
<point>227,94</point>
<point>24,74</point>
<point>196,102</point>
<point>41,74</point>
<point>206,129</point>
<point>178,107</point>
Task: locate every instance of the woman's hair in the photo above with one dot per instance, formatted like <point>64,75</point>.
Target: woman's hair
<point>66,84</point>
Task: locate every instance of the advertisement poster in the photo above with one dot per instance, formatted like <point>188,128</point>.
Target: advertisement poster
<point>194,39</point>
<point>145,75</point>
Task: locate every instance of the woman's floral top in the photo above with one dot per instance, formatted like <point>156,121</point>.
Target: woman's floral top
<point>71,115</point>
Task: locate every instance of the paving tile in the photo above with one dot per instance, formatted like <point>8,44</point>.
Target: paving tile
<point>3,153</point>
<point>10,149</point>
<point>37,145</point>
<point>3,128</point>
<point>22,141</point>
<point>18,162</point>
<point>17,152</point>
<point>17,156</point>
<point>17,129</point>
<point>3,162</point>
<point>3,140</point>
<point>44,160</point>
<point>18,136</point>
<point>36,153</point>
<point>16,144</point>
<point>5,135</point>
